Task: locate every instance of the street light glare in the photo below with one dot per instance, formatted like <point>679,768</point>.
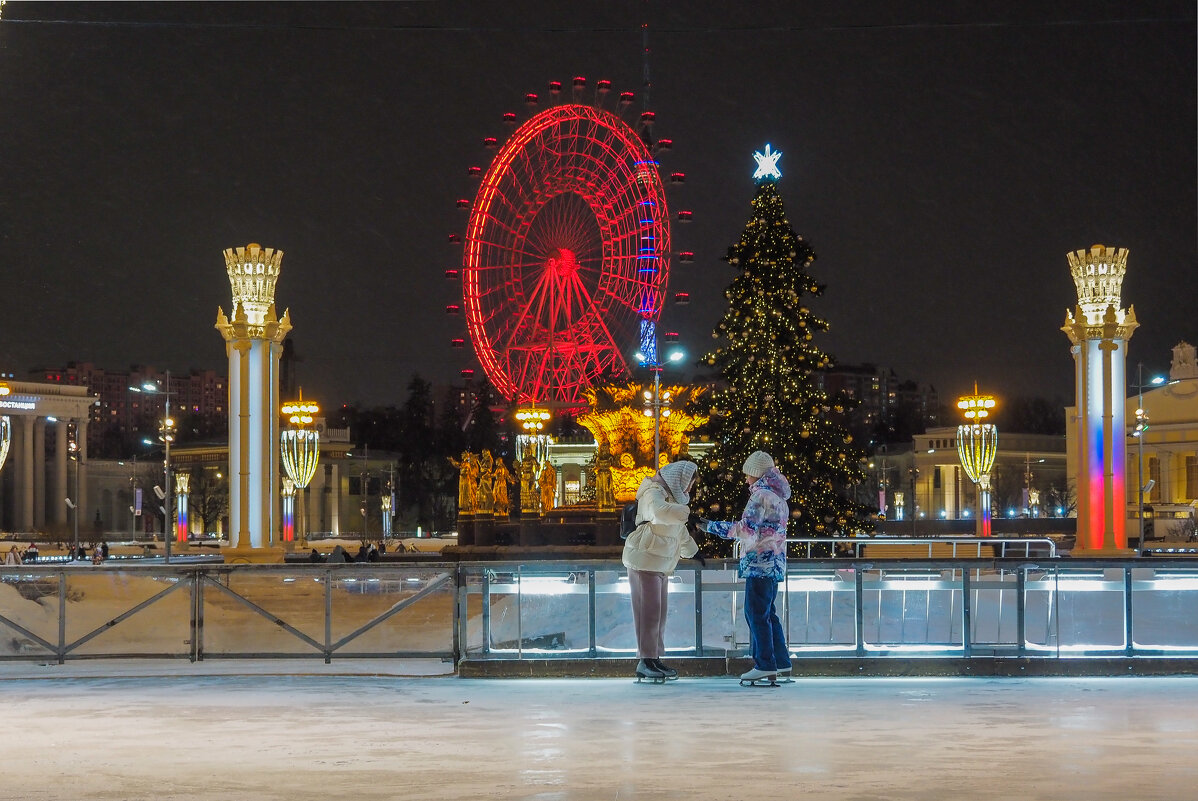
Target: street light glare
<point>677,356</point>
<point>1160,379</point>
<point>149,386</point>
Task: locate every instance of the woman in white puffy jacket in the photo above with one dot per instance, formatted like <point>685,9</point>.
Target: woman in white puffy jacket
<point>651,553</point>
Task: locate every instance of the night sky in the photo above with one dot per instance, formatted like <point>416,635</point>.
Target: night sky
<point>941,159</point>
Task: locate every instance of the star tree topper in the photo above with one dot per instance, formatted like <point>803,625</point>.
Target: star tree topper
<point>767,165</point>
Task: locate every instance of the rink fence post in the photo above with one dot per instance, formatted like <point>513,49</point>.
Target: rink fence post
<point>592,635</point>
<point>328,616</point>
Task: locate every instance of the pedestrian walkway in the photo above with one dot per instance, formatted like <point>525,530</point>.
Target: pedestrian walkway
<point>374,729</point>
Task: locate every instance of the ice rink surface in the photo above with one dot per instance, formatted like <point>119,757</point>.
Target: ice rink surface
<point>387,730</point>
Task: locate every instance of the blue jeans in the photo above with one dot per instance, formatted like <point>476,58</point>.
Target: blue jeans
<point>767,642</point>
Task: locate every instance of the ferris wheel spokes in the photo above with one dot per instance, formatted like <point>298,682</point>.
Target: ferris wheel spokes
<point>566,252</point>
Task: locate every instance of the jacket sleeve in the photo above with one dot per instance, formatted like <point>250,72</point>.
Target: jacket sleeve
<point>689,547</point>
<point>721,529</point>
<point>749,521</point>
<point>657,509</point>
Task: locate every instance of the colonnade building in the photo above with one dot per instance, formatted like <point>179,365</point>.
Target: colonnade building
<point>47,421</point>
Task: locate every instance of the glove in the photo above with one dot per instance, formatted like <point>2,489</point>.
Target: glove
<point>699,558</point>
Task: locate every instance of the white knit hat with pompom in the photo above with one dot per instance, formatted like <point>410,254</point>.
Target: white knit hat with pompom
<point>758,464</point>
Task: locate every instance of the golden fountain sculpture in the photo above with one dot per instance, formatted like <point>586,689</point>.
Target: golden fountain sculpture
<point>618,421</point>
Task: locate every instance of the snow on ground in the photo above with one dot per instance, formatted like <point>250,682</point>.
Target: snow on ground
<point>258,730</point>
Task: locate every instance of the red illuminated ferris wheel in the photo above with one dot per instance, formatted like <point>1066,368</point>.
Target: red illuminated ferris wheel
<point>567,248</point>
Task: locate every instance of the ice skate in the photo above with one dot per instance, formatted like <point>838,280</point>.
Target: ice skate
<point>668,672</point>
<point>759,678</point>
<point>646,670</point>
<point>784,676</point>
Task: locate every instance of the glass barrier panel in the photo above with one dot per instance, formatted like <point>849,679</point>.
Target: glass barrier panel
<point>912,610</point>
<point>722,608</point>
<point>1081,609</point>
<point>614,634</point>
<point>818,610</point>
<point>1162,607</point>
<point>97,597</point>
<point>28,598</point>
<point>994,609</point>
<point>294,596</point>
<point>362,596</point>
<point>475,645</point>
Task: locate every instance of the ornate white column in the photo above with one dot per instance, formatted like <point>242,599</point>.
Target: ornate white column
<point>25,432</point>
<point>1099,331</point>
<point>253,341</point>
<point>39,476</point>
<point>335,500</point>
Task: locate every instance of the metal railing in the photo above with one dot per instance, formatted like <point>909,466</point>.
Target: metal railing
<point>198,611</point>
<point>932,547</point>
<point>580,609</point>
<point>863,608</point>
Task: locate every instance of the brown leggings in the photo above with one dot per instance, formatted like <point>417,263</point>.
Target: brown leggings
<point>649,606</point>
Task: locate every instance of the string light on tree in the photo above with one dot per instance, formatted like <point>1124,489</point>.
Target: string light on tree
<point>767,355</point>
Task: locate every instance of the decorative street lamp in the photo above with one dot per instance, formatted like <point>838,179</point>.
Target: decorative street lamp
<point>182,490</point>
<point>1138,433</point>
<point>288,496</point>
<point>977,445</point>
<point>532,425</point>
<point>386,504</point>
<point>657,402</point>
<point>166,434</point>
<point>300,449</point>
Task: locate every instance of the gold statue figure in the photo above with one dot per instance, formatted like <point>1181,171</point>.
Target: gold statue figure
<point>484,494</point>
<point>605,497</point>
<point>548,484</point>
<point>528,481</point>
<point>501,479</point>
<point>467,481</point>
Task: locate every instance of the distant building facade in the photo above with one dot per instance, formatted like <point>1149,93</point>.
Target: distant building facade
<point>1169,452</point>
<point>201,395</point>
<point>1030,478</point>
<point>885,402</point>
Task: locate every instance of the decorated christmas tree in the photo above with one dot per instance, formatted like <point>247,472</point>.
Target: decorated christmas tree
<point>770,398</point>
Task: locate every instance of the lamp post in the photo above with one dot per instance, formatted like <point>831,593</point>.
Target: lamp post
<point>73,447</point>
<point>657,403</point>
<point>912,474</point>
<point>300,451</point>
<point>1138,433</point>
<point>532,425</point>
<point>977,446</point>
<point>166,433</point>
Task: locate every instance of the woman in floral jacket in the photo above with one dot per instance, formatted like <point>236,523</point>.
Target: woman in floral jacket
<point>762,534</point>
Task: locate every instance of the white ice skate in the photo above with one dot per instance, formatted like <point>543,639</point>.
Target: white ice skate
<point>784,676</point>
<point>759,678</point>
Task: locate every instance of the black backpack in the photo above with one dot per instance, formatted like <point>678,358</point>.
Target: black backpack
<point>628,522</point>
